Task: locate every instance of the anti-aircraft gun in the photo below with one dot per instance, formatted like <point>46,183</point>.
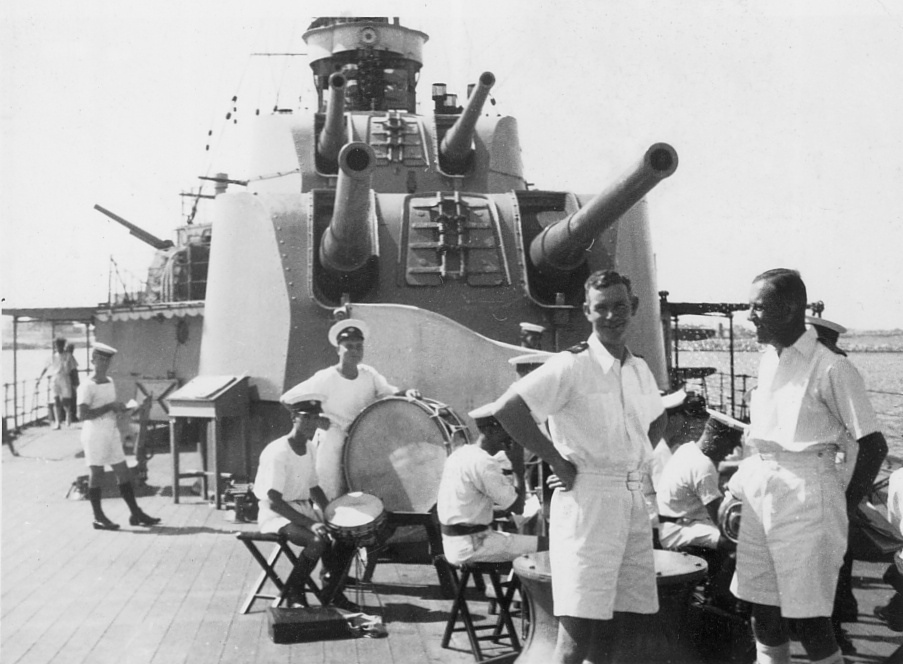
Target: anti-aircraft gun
<point>423,225</point>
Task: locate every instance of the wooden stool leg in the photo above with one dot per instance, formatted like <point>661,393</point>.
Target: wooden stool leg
<point>268,572</point>
<point>505,597</point>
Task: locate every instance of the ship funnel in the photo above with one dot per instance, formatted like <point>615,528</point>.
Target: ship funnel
<point>455,150</point>
<point>333,135</point>
<point>561,247</point>
<point>348,243</point>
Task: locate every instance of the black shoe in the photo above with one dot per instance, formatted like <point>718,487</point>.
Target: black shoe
<point>142,519</point>
<point>326,577</point>
<point>893,622</point>
<point>342,602</point>
<point>847,647</point>
<point>105,524</point>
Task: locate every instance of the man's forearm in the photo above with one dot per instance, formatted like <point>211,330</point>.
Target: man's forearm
<point>282,508</point>
<point>872,451</point>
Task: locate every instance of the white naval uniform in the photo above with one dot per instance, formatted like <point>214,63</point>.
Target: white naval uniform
<point>688,483</point>
<point>345,399</point>
<point>291,475</point>
<point>473,482</point>
<point>600,538</point>
<point>100,436</point>
<point>793,532</point>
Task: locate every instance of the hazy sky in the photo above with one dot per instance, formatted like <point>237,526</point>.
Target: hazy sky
<point>786,117</point>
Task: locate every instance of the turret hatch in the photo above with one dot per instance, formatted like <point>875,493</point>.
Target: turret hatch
<point>453,236</point>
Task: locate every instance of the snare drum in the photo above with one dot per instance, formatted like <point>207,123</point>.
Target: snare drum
<point>357,518</point>
<point>396,450</point>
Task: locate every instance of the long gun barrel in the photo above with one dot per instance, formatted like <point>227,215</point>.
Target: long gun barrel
<point>456,145</point>
<point>562,246</point>
<point>333,135</point>
<point>140,233</point>
<point>348,243</point>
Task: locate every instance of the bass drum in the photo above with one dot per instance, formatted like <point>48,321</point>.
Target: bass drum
<point>396,450</point>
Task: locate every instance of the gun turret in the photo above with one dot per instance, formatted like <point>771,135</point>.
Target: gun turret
<point>348,243</point>
<point>140,233</point>
<point>562,246</point>
<point>334,135</point>
<point>455,150</point>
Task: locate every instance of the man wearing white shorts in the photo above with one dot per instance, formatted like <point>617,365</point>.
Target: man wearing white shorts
<point>808,401</point>
<point>473,484</point>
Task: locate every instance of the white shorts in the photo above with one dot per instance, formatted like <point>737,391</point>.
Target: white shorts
<point>270,522</point>
<point>793,531</point>
<point>691,533</point>
<point>101,442</point>
<point>600,548</point>
<point>61,387</point>
<point>488,546</point>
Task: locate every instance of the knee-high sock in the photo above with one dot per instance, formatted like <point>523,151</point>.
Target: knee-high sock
<point>128,495</point>
<point>94,497</point>
<point>294,585</point>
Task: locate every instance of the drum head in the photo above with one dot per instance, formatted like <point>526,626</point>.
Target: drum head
<point>673,567</point>
<point>396,450</point>
<point>353,509</point>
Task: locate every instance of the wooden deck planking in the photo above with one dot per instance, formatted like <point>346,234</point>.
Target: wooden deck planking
<point>172,593</point>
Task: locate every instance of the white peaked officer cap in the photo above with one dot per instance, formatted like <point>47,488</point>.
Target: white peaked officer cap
<point>724,424</point>
<point>302,399</point>
<point>537,357</point>
<point>815,321</point>
<point>103,349</point>
<point>532,327</point>
<point>674,399</point>
<point>484,416</point>
<point>350,328</point>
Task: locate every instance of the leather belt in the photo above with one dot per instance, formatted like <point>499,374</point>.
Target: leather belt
<point>457,529</point>
<point>669,519</point>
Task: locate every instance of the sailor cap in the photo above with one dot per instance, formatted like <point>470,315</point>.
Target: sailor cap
<point>350,328</point>
<point>302,399</point>
<point>721,425</point>
<point>675,399</point>
<point>103,349</point>
<point>484,416</point>
<point>537,357</point>
<point>815,321</point>
<point>532,327</point>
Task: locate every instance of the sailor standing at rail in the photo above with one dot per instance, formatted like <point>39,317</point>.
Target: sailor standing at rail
<point>604,409</point>
<point>349,387</point>
<point>808,400</point>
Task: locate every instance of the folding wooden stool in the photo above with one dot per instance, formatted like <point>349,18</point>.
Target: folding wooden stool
<point>504,595</point>
<point>268,565</point>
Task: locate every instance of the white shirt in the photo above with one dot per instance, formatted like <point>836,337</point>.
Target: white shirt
<point>288,473</point>
<point>599,410</point>
<point>688,483</point>
<point>807,396</point>
<point>472,483</point>
<point>347,398</point>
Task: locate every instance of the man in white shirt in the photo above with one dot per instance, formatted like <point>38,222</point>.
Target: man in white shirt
<point>809,400</point>
<point>603,408</point>
<point>292,503</point>
<point>473,484</point>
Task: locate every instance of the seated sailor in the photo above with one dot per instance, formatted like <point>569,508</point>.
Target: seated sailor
<point>689,493</point>
<point>473,484</point>
<point>292,503</point>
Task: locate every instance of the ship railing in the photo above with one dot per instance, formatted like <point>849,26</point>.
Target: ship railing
<point>26,403</point>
